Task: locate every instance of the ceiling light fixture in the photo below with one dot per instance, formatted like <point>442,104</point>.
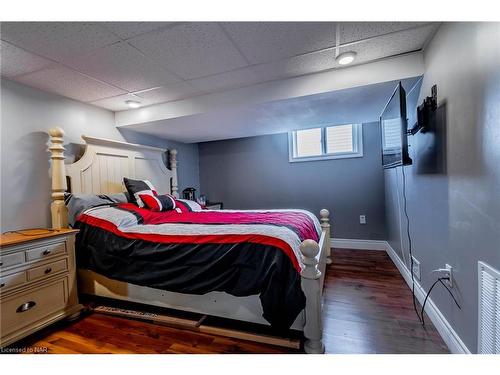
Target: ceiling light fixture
<point>346,58</point>
<point>132,103</point>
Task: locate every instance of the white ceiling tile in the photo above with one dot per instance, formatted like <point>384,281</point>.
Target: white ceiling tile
<point>235,78</point>
<point>117,103</point>
<point>175,91</point>
<point>352,31</point>
<point>67,82</point>
<point>57,40</point>
<point>311,63</point>
<point>270,71</point>
<point>126,30</point>
<point>191,50</point>
<point>123,66</point>
<point>15,61</point>
<point>267,41</point>
<point>295,66</point>
<point>390,45</point>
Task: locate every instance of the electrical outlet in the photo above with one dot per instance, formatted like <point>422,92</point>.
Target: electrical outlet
<point>449,271</point>
<point>446,272</point>
<point>416,268</point>
<point>362,219</point>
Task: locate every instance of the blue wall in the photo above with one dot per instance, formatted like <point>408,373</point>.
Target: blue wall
<point>254,172</point>
<point>454,208</point>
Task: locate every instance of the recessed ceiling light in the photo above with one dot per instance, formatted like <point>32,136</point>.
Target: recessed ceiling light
<point>132,103</point>
<point>346,58</point>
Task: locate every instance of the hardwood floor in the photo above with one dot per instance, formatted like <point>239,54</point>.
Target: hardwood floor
<point>368,309</point>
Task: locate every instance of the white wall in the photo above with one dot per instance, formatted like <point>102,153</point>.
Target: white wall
<point>26,115</point>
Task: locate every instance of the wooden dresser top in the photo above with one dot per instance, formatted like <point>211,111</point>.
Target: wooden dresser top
<point>22,236</point>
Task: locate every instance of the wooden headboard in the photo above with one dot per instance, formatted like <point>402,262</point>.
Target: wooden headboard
<point>102,167</point>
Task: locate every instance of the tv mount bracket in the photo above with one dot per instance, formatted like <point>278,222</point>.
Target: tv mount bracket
<point>423,112</point>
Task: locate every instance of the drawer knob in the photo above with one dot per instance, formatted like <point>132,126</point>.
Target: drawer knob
<point>46,252</point>
<point>26,306</point>
<point>1,263</point>
<point>2,285</point>
<point>48,270</point>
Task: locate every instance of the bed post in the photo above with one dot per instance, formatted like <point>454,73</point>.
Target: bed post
<point>173,167</point>
<point>313,328</point>
<point>57,207</point>
<point>325,226</point>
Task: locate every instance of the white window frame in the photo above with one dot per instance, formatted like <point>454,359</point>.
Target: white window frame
<point>357,139</point>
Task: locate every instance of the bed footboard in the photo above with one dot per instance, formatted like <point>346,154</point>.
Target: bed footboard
<point>315,258</point>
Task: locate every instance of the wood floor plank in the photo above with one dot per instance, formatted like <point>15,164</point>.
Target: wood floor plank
<point>91,346</point>
<point>368,308</point>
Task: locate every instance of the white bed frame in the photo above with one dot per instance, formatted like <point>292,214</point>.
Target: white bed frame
<point>101,170</point>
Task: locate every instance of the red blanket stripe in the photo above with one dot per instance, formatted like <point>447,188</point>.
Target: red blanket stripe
<point>302,223</point>
<point>195,239</point>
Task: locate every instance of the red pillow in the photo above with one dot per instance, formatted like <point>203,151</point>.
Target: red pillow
<point>136,188</point>
<point>156,202</point>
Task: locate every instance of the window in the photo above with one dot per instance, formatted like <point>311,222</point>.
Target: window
<point>330,142</point>
<point>309,142</point>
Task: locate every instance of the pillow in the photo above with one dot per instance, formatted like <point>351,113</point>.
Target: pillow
<point>185,205</point>
<point>77,203</point>
<point>157,202</point>
<point>134,187</point>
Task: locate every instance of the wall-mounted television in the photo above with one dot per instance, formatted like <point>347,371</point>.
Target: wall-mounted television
<point>393,123</point>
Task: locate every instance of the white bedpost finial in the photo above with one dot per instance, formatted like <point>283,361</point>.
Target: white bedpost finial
<point>57,207</point>
<point>313,329</point>
<point>173,167</point>
<point>325,226</point>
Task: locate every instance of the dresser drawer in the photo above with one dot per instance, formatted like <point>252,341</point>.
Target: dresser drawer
<point>26,308</point>
<point>47,269</point>
<point>13,280</point>
<point>46,251</point>
<point>11,259</point>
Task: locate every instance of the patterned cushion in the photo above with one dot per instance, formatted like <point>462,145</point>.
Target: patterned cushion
<point>185,205</point>
<point>157,202</point>
<point>137,187</point>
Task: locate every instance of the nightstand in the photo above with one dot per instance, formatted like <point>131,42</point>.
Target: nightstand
<point>37,281</point>
<point>214,205</point>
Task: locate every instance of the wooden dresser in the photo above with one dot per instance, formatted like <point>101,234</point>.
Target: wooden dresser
<point>37,281</point>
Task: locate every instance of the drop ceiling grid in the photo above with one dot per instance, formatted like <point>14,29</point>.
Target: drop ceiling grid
<point>123,66</point>
<point>127,30</point>
<point>391,45</point>
<point>270,41</point>
<point>100,84</point>
<point>63,80</point>
<point>16,61</point>
<point>192,50</point>
<point>57,40</point>
<point>187,59</point>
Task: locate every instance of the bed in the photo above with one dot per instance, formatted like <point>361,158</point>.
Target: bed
<point>297,244</point>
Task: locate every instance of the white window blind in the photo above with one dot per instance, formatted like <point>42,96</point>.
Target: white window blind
<point>339,139</point>
<point>308,142</point>
<point>329,142</point>
<point>392,134</point>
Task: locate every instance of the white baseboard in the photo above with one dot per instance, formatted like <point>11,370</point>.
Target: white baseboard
<point>347,243</point>
<point>450,337</point>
